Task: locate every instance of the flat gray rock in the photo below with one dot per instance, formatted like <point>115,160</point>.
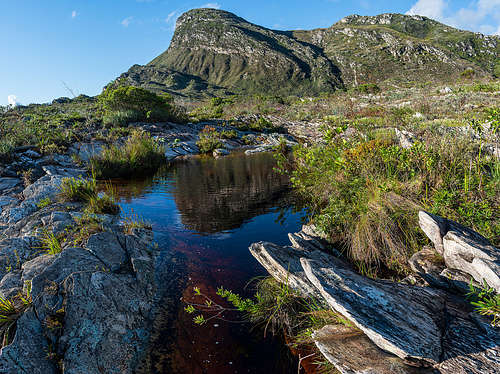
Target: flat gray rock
<point>401,319</point>
<point>283,263</point>
<point>351,352</point>
<point>106,247</point>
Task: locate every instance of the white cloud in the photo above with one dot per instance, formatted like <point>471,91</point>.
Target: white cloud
<point>127,21</point>
<point>211,5</point>
<point>170,16</point>
<point>74,14</point>
<point>429,8</point>
<point>480,15</point>
<point>12,100</point>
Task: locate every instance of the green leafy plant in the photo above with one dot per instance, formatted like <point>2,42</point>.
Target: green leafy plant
<point>209,140</point>
<point>78,189</point>
<point>44,203</point>
<point>486,302</point>
<point>10,311</point>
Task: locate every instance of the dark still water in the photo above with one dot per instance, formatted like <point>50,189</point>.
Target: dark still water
<point>205,213</point>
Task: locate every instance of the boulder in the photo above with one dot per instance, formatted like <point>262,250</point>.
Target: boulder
<point>463,249</point>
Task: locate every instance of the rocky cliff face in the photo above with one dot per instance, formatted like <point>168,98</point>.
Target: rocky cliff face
<point>214,52</point>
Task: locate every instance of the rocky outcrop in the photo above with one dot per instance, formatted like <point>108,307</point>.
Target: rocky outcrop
<point>92,306</point>
<point>422,326</point>
<point>463,249</point>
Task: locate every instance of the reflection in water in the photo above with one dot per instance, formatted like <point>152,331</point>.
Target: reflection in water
<point>217,195</point>
<point>231,202</point>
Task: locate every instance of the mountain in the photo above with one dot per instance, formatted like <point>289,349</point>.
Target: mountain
<point>214,52</point>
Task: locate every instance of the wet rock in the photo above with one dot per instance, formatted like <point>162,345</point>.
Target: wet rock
<point>401,319</point>
<point>351,352</point>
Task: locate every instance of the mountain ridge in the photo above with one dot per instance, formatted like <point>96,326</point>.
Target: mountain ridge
<point>215,52</point>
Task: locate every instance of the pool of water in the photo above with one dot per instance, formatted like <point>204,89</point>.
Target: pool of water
<point>205,213</point>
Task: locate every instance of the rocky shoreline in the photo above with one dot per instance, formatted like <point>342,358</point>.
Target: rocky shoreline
<point>92,306</point>
<point>420,325</point>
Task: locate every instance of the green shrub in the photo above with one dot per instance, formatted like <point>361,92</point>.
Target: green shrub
<point>140,155</point>
<point>209,140</point>
<point>228,134</point>
<point>121,118</point>
<point>127,103</point>
<point>367,88</point>
<point>486,302</point>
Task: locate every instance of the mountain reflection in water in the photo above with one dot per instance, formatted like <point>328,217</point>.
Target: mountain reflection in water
<point>205,213</point>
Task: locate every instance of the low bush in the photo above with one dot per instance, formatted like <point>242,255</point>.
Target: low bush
<point>140,155</point>
<point>131,104</point>
<point>209,140</point>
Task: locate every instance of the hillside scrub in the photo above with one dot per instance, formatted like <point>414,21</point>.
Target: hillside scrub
<point>127,104</point>
<point>139,155</point>
<point>365,191</point>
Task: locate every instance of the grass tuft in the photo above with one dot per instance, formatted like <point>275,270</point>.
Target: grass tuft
<point>140,155</point>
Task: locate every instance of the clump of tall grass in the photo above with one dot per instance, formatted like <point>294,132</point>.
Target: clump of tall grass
<point>140,155</point>
<point>85,190</point>
<point>365,192</point>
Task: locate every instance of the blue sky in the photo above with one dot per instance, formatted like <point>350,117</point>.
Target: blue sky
<point>51,47</point>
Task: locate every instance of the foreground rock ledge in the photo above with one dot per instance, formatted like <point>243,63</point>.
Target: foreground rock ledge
<point>420,325</point>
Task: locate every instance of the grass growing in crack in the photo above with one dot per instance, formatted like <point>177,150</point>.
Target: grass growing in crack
<point>85,190</point>
<point>51,243</point>
<point>85,226</point>
<point>133,221</point>
<point>140,155</point>
<point>10,311</point>
<point>78,189</point>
